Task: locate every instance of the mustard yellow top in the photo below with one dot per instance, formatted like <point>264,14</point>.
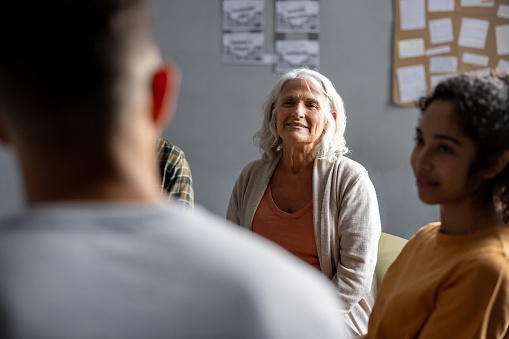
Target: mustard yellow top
<point>446,286</point>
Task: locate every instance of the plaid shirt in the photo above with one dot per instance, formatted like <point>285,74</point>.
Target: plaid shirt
<point>175,173</point>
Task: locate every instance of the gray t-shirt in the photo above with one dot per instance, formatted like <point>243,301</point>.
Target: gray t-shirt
<point>130,271</point>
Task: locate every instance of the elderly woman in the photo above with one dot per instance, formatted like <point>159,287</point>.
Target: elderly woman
<point>306,196</point>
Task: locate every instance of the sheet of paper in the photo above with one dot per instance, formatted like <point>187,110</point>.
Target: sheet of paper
<point>438,50</point>
<point>503,66</point>
<point>243,15</point>
<point>475,59</point>
<point>477,3</point>
<point>503,11</point>
<point>502,36</point>
<point>411,48</point>
<point>445,64</point>
<point>296,53</point>
<point>473,33</point>
<point>480,72</point>
<point>440,31</point>
<point>440,5</point>
<point>412,14</point>
<point>243,48</point>
<point>436,79</point>
<point>411,83</point>
<point>297,17</point>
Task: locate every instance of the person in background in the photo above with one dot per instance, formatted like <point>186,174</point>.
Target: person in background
<point>177,182</point>
<point>451,280</point>
<point>306,196</point>
<point>97,253</point>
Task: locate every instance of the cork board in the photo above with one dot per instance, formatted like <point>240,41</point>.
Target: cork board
<point>465,36</point>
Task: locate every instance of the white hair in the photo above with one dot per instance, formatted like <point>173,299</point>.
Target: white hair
<point>332,144</point>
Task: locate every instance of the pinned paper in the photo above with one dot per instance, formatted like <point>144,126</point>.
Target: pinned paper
<point>477,3</point>
<point>411,48</point>
<point>440,5</point>
<point>503,11</point>
<point>447,64</point>
<point>502,36</point>
<point>503,66</point>
<point>438,50</point>
<point>436,79</point>
<point>411,83</point>
<point>243,48</point>
<point>440,31</point>
<point>481,72</point>
<point>475,59</point>
<point>243,15</point>
<point>296,54</point>
<point>297,17</point>
<point>473,33</point>
<point>412,14</point>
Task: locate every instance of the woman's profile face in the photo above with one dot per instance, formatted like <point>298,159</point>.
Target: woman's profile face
<point>300,115</point>
<point>442,157</point>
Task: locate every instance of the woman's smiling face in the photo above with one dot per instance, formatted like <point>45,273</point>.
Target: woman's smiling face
<point>443,156</point>
<point>300,115</point>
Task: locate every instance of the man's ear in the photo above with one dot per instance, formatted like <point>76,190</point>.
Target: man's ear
<point>165,88</point>
<point>499,165</point>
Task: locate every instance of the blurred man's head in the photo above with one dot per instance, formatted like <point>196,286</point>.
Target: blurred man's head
<point>82,76</point>
<point>67,68</point>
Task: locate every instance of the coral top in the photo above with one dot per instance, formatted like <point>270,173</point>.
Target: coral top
<point>292,231</point>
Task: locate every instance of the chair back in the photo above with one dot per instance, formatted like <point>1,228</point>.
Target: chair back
<point>389,247</point>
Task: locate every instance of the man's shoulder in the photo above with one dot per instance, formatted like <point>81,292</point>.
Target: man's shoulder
<point>192,258</point>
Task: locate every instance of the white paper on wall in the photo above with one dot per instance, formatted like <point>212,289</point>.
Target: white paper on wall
<point>473,33</point>
<point>502,38</point>
<point>481,72</point>
<point>503,66</point>
<point>411,48</point>
<point>243,15</point>
<point>243,48</point>
<point>440,5</point>
<point>297,17</point>
<point>436,79</point>
<point>440,30</point>
<point>296,54</point>
<point>444,64</point>
<point>412,14</point>
<point>411,83</point>
<point>475,59</point>
<point>438,50</point>
<point>503,11</point>
<point>477,3</point>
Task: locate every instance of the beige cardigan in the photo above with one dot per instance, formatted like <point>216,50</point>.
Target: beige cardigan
<point>346,222</point>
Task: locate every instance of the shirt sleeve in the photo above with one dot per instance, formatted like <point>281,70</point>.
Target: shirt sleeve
<point>177,180</point>
<point>359,229</point>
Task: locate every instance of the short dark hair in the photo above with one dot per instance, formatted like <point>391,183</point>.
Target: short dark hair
<point>61,62</point>
<point>482,108</point>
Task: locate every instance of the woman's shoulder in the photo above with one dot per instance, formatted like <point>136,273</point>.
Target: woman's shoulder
<point>342,163</point>
<point>255,171</point>
<point>350,165</point>
<point>256,166</point>
<point>345,169</point>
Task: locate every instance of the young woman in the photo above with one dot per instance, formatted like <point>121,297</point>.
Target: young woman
<point>452,278</point>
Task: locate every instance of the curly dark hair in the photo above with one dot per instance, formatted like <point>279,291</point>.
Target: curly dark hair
<point>483,111</point>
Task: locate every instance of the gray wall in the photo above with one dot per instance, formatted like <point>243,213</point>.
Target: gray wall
<point>219,107</point>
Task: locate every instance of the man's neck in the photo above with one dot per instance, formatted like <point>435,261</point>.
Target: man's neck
<point>88,177</point>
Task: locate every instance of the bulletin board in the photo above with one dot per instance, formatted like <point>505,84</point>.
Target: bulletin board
<point>436,39</point>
